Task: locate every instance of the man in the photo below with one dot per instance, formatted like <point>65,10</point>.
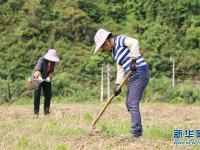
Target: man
<point>125,51</point>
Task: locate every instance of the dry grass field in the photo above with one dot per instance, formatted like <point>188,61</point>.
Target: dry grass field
<point>68,127</point>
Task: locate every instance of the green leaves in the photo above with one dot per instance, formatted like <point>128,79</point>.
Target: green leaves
<point>164,29</point>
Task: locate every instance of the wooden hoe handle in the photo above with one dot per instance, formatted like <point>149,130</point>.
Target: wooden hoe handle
<point>110,99</point>
<point>37,79</point>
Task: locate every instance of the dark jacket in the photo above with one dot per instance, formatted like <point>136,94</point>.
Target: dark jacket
<point>42,67</point>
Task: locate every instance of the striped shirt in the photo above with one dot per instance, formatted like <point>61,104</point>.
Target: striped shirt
<point>121,55</point>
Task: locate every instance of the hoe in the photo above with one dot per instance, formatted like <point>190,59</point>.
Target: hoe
<point>93,127</point>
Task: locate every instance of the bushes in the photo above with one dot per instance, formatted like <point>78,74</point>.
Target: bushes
<point>10,90</point>
<point>164,29</point>
<point>184,93</point>
<point>156,89</point>
<point>29,28</point>
<point>65,85</point>
<point>66,88</point>
<point>162,91</point>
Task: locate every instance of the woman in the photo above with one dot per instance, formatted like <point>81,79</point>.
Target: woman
<point>44,70</point>
<point>125,51</point>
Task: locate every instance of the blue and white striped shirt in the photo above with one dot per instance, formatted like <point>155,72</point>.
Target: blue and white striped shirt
<point>121,55</point>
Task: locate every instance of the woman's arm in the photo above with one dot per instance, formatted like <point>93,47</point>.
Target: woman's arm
<point>38,68</point>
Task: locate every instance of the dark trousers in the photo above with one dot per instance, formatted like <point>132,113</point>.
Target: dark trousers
<point>46,86</point>
<point>136,84</point>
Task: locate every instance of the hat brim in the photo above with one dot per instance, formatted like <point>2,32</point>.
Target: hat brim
<point>49,57</point>
<point>98,46</point>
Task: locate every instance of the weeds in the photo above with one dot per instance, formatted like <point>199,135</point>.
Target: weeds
<point>23,143</point>
<point>159,131</point>
<point>70,129</point>
<point>62,147</point>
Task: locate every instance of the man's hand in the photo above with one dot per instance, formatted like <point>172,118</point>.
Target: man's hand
<point>133,66</point>
<point>48,79</point>
<point>116,92</point>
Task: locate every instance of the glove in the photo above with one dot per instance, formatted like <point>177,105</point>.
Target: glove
<point>116,92</point>
<point>40,78</point>
<point>133,66</point>
<point>48,79</point>
<point>51,75</point>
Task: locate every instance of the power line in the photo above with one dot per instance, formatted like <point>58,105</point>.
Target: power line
<point>176,72</point>
<point>178,80</point>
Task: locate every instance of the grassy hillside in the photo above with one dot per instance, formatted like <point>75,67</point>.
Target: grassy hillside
<point>28,28</point>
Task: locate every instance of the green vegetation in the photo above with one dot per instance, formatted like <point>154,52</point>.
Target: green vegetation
<point>68,127</point>
<point>165,28</point>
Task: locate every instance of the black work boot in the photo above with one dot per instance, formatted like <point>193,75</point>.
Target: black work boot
<point>46,112</point>
<point>35,115</point>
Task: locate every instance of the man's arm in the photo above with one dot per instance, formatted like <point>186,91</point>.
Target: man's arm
<point>133,44</point>
<point>120,74</point>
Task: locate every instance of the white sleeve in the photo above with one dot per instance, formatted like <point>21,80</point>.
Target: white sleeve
<point>133,44</point>
<point>120,74</point>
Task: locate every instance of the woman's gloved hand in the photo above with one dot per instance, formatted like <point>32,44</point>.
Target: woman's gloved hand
<point>48,79</point>
<point>40,78</point>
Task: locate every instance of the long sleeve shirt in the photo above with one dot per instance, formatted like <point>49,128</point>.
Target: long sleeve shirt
<point>125,49</point>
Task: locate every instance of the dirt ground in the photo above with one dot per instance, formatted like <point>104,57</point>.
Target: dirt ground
<point>154,114</point>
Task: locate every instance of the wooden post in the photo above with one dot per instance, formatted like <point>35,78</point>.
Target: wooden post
<point>173,77</point>
<point>173,72</point>
<point>102,83</point>
<point>108,81</point>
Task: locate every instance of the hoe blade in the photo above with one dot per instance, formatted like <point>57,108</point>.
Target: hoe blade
<point>32,85</point>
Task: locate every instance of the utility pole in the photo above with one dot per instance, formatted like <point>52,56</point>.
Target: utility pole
<point>102,83</point>
<point>173,72</point>
<point>108,81</point>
